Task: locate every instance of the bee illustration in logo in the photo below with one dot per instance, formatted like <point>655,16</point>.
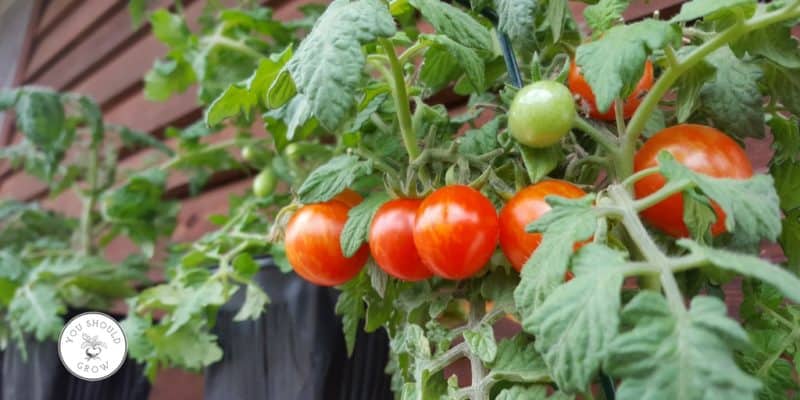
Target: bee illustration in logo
<point>92,347</point>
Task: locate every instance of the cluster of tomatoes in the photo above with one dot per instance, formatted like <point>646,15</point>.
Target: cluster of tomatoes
<point>454,232</point>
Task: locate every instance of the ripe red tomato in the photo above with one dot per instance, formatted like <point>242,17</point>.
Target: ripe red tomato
<point>700,148</point>
<point>525,207</point>
<point>349,197</point>
<point>456,231</point>
<point>581,88</point>
<point>391,240</point>
<point>312,245</point>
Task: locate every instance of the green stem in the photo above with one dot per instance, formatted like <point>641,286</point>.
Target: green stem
<point>476,312</point>
<point>686,263</point>
<point>789,340</point>
<point>679,67</point>
<point>400,97</point>
<point>662,194</point>
<point>649,249</point>
<point>629,181</point>
<point>608,142</point>
<point>412,51</point>
<point>233,44</point>
<point>90,201</point>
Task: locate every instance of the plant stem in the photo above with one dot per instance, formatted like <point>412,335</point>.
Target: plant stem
<point>90,200</point>
<point>679,67</point>
<point>649,249</point>
<point>400,97</point>
<point>668,190</point>
<point>629,181</point>
<point>476,312</point>
<point>597,135</point>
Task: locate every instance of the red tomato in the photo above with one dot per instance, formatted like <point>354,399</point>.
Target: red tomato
<point>700,148</point>
<point>391,240</point>
<point>581,88</point>
<point>456,231</point>
<point>312,245</point>
<point>349,197</point>
<point>525,207</point>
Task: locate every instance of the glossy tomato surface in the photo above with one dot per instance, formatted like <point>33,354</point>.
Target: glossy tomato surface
<point>391,240</point>
<point>702,149</point>
<point>525,207</point>
<point>456,231</point>
<point>541,114</point>
<point>312,245</point>
<point>579,86</point>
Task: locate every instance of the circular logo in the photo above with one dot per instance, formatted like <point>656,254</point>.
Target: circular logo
<point>92,346</point>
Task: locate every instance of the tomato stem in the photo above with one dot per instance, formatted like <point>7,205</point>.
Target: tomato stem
<point>603,139</point>
<point>670,189</point>
<point>477,310</point>
<point>401,101</point>
<point>90,199</point>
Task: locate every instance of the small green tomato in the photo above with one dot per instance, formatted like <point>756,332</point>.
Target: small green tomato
<point>541,114</point>
<point>265,183</point>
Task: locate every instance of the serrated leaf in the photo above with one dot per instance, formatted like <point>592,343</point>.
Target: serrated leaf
<point>786,143</point>
<point>170,28</point>
<point>481,342</point>
<point>689,87</point>
<point>517,18</point>
<point>332,178</point>
<point>327,67</point>
<point>466,59</point>
<point>775,43</point>
<point>167,77</point>
<point>558,12</point>
<point>359,219</point>
<point>568,222</point>
<point>714,9</point>
<point>480,141</point>
<point>191,347</point>
<point>193,301</point>
<point>454,23</point>
<point>776,374</point>
<point>605,14</point>
<point>518,361</point>
<point>686,356</point>
<point>255,300</point>
<point>576,324</point>
<point>439,68</point>
<point>498,286</point>
<point>37,309</point>
<point>699,216</point>
<point>539,162</point>
<point>40,117</point>
<point>751,206</point>
<point>350,307</point>
<point>378,278</point>
<point>233,102</point>
<point>243,264</point>
<point>259,83</point>
<point>613,64</point>
<point>784,84</point>
<point>783,280</point>
<point>732,97</point>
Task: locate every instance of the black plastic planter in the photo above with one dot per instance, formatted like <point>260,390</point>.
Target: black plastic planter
<point>296,349</point>
<point>42,377</point>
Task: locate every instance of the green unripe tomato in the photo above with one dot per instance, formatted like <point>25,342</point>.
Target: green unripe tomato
<point>265,183</point>
<point>541,114</point>
<point>249,153</point>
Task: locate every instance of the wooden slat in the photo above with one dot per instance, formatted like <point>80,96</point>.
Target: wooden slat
<point>85,17</point>
<point>55,11</point>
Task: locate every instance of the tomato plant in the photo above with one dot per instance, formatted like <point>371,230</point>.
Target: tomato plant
<point>363,99</point>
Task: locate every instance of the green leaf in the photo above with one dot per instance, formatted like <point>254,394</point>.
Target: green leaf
<point>234,101</point>
<point>170,28</point>
<point>328,64</point>
<point>539,162</point>
<point>613,64</point>
<point>750,206</point>
<point>517,19</point>
<point>168,77</point>
<point>193,301</point>
<point>776,374</point>
<point>439,68</point>
<point>40,117</point>
<point>790,239</point>
<point>480,141</point>
<point>191,347</point>
<point>523,393</point>
<point>137,9</point>
<point>243,264</point>
<point>787,183</point>
<point>454,23</point>
<point>558,12</point>
<point>605,14</point>
<point>37,309</point>
<point>267,72</point>
<point>255,300</point>
<point>686,356</point>
<point>689,87</point>
<point>481,342</point>
<point>732,98</point>
<point>350,306</point>
<point>576,324</point>
<point>698,215</point>
<point>715,9</point>
<point>465,58</point>
<point>498,286</point>
<point>8,98</point>
<point>359,219</point>
<point>775,43</point>
<point>783,280</point>
<point>784,84</point>
<point>332,178</point>
<point>786,135</point>
<point>568,222</point>
<point>518,361</point>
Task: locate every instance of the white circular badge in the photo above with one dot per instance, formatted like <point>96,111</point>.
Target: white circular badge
<point>92,346</point>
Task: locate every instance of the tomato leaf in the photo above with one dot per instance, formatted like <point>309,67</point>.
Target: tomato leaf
<point>690,85</point>
<point>327,67</point>
<point>332,178</point>
<point>787,183</point>
<point>783,280</point>
<point>350,306</point>
<point>576,323</point>
<point>40,117</point>
<point>193,302</point>
<point>750,206</point>
<point>167,77</point>
<point>454,23</point>
<point>267,72</point>
<point>605,14</point>
<point>234,101</point>
<point>568,222</point>
<point>517,19</point>
<point>786,135</point>
<point>686,356</point>
<point>732,97</point>
<point>558,12</point>
<point>255,300</point>
<point>481,342</point>
<point>774,43</point>
<point>170,28</point>
<point>518,361</point>
<point>613,64</point>
<point>790,239</point>
<point>190,347</point>
<point>439,68</point>
<point>359,219</point>
<point>480,141</point>
<point>777,374</point>
<point>463,58</point>
<point>715,9</point>
<point>540,162</point>
<point>784,84</point>
<point>531,393</point>
<point>37,309</point>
